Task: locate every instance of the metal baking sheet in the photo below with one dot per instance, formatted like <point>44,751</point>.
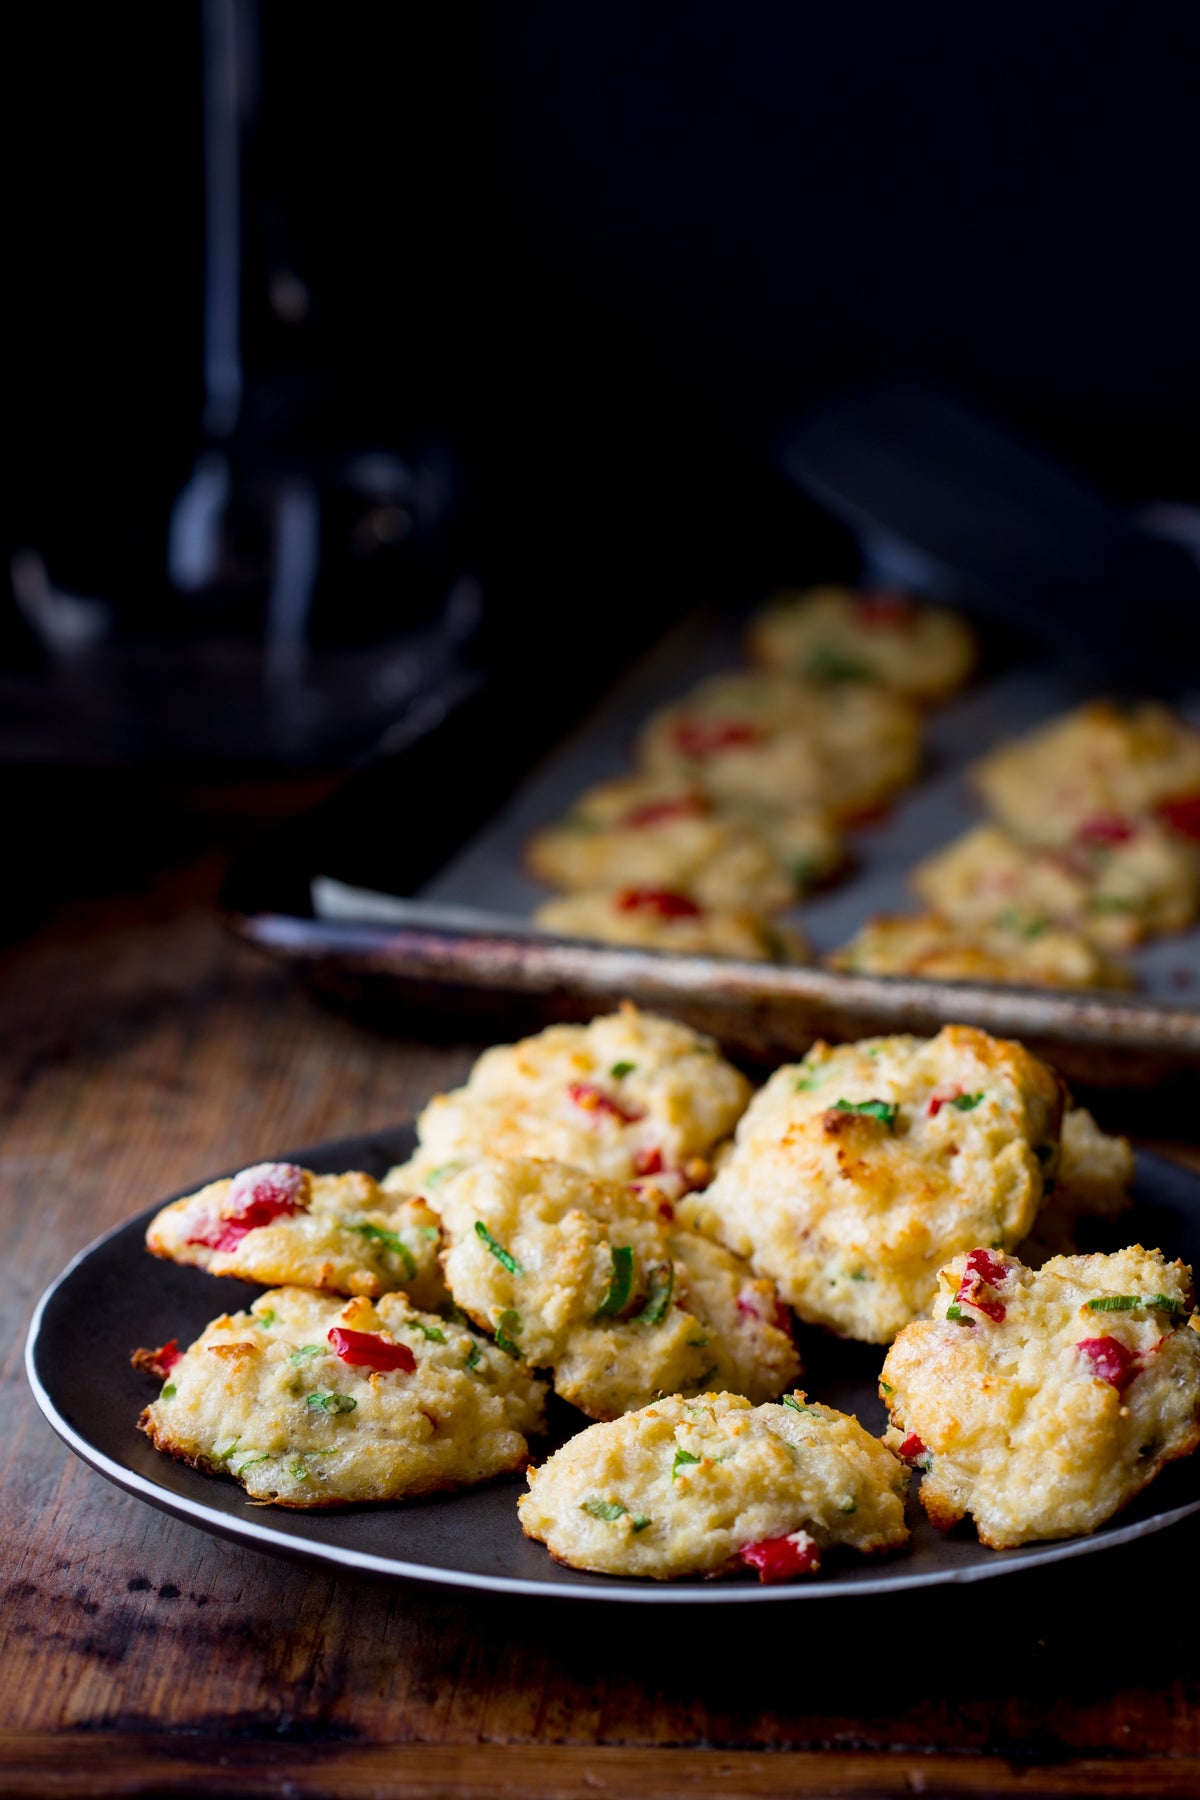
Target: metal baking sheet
<point>469,925</point>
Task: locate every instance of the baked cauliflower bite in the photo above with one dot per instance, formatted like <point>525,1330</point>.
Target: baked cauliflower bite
<point>937,949</point>
<point>1117,882</point>
<point>654,920</point>
<point>856,1173</point>
<point>313,1401</point>
<point>713,1485</point>
<point>1100,765</point>
<point>629,1097</point>
<point>594,1282</point>
<point>1042,1403</point>
<point>770,742</point>
<point>835,634</point>
<point>282,1225</point>
<point>661,832</point>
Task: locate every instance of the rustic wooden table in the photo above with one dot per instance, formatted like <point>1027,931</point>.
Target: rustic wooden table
<point>141,1048</point>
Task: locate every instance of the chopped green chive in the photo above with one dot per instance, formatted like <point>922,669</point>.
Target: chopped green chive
<point>375,1234</point>
<point>640,1521</point>
<point>169,1392</point>
<point>443,1172</point>
<point>330,1403</point>
<point>858,1275</point>
<point>883,1110</point>
<point>700,1343</point>
<point>1012,920</point>
<point>827,663</point>
<point>682,1459</point>
<point>965,1102</point>
<point>498,1251</point>
<point>608,1510</point>
<point>507,1325</point>
<point>887,1387</point>
<point>265,1319</point>
<point>956,1313</point>
<point>298,1471</point>
<point>245,1461</point>
<point>474,1356</point>
<point>848,1505</point>
<point>224,1448</point>
<point>1127,1302</point>
<point>305,1351</point>
<point>431,1332</point>
<point>791,1401</point>
<point>660,1286</point>
<point>620,1281</point>
<point>619,1070</point>
<point>429,1231</point>
<point>1110,903</point>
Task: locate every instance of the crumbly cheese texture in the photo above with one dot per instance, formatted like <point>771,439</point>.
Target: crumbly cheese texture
<point>1095,1173</point>
<point>263,1396</point>
<point>856,1173</point>
<point>655,921</point>
<point>772,742</point>
<point>662,832</point>
<point>836,635</point>
<point>937,949</point>
<point>629,1097</point>
<point>347,1236</point>
<point>1120,881</point>
<point>596,1283</point>
<point>1026,1417</point>
<point>1100,761</point>
<point>682,1487</point>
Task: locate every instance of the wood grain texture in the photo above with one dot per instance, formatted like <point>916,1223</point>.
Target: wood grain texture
<point>142,1048</point>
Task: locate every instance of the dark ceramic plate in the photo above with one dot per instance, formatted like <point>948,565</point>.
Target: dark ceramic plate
<point>114,1297</point>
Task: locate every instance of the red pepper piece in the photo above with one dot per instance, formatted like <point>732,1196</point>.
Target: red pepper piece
<point>221,1235</point>
<point>1105,828</point>
<point>1182,813</point>
<point>1111,1361</point>
<point>660,901</point>
<point>364,1350</point>
<point>159,1362</point>
<point>648,1162</point>
<point>912,1447</point>
<point>265,1192</point>
<point>883,610</point>
<point>594,1100</point>
<point>704,737</point>
<point>984,1264</point>
<point>256,1196</point>
<point>658,812</point>
<point>982,1269</point>
<point>782,1558</point>
<point>937,1101</point>
<point>751,1305</point>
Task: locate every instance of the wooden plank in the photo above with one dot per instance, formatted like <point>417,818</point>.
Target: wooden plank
<point>141,1048</point>
<point>120,1764</point>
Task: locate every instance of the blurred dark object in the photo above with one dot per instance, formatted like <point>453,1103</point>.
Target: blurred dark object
<point>520,297</point>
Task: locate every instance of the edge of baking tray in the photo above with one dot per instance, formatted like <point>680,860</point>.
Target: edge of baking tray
<point>762,1008</point>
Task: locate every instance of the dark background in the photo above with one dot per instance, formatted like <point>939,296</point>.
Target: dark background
<point>603,250</point>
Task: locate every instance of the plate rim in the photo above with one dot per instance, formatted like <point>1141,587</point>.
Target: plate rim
<point>264,1538</point>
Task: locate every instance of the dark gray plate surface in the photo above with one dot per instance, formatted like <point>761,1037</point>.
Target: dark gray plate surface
<point>114,1297</point>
